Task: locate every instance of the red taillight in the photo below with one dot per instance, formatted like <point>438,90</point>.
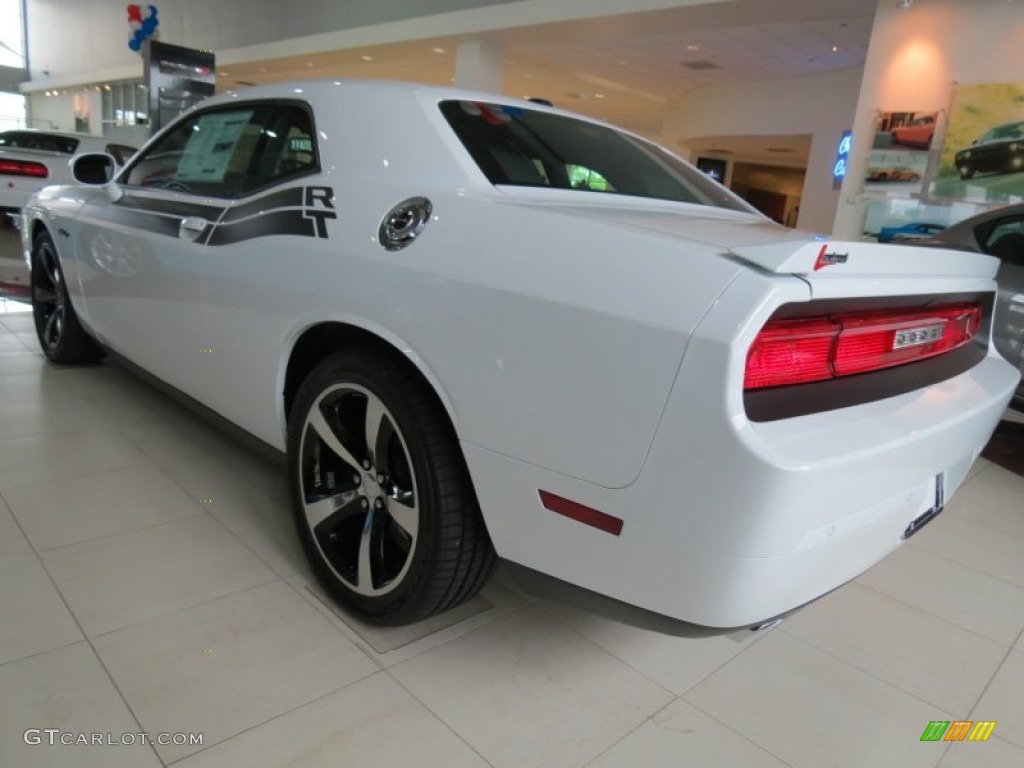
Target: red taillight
<point>23,168</point>
<point>799,351</point>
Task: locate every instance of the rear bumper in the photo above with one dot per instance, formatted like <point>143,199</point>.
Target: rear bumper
<point>732,522</point>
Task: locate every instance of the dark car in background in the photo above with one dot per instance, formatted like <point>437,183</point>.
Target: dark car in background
<point>999,150</point>
<point>999,233</point>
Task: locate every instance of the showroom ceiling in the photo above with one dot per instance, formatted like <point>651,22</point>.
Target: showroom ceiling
<point>629,69</point>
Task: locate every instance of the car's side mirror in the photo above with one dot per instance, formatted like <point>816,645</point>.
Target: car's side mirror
<point>93,168</point>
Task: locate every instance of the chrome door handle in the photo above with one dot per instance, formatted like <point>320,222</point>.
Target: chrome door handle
<point>192,227</point>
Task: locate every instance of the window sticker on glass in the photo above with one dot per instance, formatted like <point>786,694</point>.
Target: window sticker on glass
<point>212,145</point>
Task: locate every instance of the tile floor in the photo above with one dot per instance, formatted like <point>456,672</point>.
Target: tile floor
<point>150,582</point>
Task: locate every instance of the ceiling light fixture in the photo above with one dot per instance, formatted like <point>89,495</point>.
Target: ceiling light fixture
<point>693,47</point>
<point>439,50</point>
<point>835,49</point>
<point>366,57</point>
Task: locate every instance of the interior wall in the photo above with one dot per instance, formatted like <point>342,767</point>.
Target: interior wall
<point>914,58</point>
<point>62,36</point>
<point>820,105</point>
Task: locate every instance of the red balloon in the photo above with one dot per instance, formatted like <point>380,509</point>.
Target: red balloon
<point>134,13</point>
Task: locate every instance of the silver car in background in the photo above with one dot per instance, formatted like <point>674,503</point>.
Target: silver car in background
<point>999,233</point>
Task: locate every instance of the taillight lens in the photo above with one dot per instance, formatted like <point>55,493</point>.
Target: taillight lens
<point>23,168</point>
<point>813,349</point>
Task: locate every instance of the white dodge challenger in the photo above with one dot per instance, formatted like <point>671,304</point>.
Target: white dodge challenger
<point>482,326</point>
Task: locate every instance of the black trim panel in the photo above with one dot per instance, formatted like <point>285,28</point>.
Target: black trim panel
<point>789,401</point>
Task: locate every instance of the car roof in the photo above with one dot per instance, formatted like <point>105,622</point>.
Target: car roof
<point>321,89</point>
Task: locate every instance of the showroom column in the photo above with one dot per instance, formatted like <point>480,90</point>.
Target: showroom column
<point>480,66</point>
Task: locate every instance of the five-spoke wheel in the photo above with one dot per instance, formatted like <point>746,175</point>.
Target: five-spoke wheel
<point>383,501</point>
<point>61,336</point>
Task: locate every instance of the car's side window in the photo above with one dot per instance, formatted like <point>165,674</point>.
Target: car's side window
<point>230,152</point>
<point>1006,240</point>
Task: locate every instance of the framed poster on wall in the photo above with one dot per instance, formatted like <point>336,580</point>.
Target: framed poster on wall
<point>982,159</point>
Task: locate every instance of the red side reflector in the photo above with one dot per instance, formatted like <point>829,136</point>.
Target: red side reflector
<point>799,351</point>
<point>23,168</point>
<point>581,514</point>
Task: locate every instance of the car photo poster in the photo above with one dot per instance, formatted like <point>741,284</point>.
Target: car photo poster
<point>983,155</point>
<point>899,151</point>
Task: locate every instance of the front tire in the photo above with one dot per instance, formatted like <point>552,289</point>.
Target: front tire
<point>382,499</point>
<point>61,336</point>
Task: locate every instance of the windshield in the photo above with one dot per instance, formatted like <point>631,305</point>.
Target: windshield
<point>1009,131</point>
<point>531,148</point>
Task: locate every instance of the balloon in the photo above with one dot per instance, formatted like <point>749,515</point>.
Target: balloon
<point>135,45</point>
<point>134,13</point>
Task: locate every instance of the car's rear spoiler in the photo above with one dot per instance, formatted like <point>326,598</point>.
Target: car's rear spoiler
<point>835,258</point>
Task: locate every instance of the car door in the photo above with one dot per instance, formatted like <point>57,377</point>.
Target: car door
<point>143,245</point>
<point>276,205</point>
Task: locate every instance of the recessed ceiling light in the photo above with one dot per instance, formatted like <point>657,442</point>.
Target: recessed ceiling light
<point>693,47</point>
<point>223,74</point>
<point>835,48</point>
<point>598,95</point>
<point>310,64</point>
<point>439,50</point>
<point>366,57</point>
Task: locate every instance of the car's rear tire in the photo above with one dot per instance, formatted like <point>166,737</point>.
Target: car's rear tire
<point>61,336</point>
<point>382,498</point>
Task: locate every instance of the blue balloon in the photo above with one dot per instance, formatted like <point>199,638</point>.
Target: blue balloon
<point>134,45</point>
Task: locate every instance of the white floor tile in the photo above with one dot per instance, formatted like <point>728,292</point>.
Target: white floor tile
<point>22,415</point>
<point>372,723</point>
<point>527,691</point>
<point>403,643</point>
<point>33,618</point>
<point>40,458</point>
<point>960,595</point>
<point>228,665</point>
<point>996,502</point>
<point>903,646</point>
<point>811,709</point>
<point>263,522</point>
<point>84,508</point>
<point>677,663</point>
<point>997,554</point>
<point>67,690</point>
<point>12,541</point>
<point>682,735</point>
<point>130,577</point>
<point>1004,701</point>
<point>994,753</point>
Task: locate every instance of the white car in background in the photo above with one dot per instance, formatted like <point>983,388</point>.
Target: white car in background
<point>478,325</point>
<point>31,159</point>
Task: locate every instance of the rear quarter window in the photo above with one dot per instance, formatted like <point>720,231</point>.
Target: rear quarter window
<point>525,147</point>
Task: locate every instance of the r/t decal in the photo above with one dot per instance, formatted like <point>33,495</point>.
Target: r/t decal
<point>318,205</point>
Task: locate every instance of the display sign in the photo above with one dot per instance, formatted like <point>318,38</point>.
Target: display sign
<point>842,157</point>
<point>177,78</point>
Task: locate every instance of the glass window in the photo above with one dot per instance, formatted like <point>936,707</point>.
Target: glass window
<point>531,148</point>
<point>1006,240</point>
<point>229,152</point>
<point>12,41</point>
